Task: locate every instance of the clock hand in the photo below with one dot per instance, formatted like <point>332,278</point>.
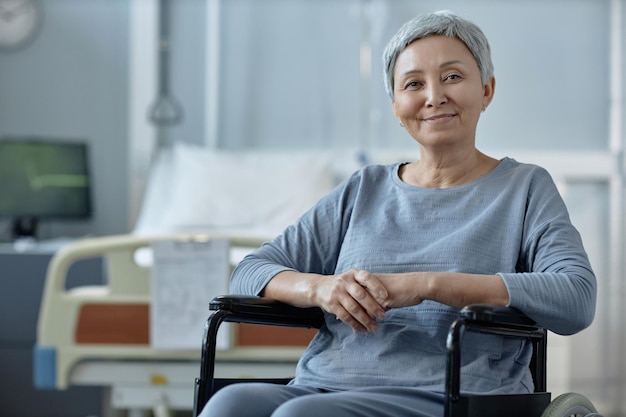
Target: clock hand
<point>10,12</point>
<point>7,15</point>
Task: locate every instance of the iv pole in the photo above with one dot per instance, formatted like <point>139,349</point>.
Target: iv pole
<point>166,111</point>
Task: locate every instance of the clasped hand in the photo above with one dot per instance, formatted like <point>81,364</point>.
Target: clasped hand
<point>358,297</point>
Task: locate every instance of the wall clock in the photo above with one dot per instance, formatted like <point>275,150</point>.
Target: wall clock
<point>20,21</point>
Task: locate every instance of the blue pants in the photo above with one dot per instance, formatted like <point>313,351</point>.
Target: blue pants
<point>270,400</point>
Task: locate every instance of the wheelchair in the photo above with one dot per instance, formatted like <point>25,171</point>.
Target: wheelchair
<point>477,318</point>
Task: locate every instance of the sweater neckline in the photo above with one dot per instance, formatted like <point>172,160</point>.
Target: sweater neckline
<point>504,162</point>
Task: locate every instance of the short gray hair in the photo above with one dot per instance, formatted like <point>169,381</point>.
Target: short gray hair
<point>443,23</point>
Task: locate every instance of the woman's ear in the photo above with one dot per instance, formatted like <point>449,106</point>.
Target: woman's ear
<point>488,91</point>
<point>393,107</point>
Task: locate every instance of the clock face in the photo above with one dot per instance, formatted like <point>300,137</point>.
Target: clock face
<point>19,22</point>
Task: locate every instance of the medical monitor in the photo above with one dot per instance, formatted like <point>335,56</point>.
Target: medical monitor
<point>43,179</point>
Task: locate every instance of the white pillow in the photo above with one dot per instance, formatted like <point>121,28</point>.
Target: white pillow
<point>155,196</point>
<point>256,193</point>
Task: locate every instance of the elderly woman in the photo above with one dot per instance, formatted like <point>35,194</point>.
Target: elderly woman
<point>393,253</point>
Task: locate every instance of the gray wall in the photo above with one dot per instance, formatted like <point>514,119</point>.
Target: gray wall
<point>290,70</point>
<point>290,77</point>
<point>72,82</point>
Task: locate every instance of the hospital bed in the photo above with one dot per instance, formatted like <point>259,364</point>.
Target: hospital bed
<point>100,335</point>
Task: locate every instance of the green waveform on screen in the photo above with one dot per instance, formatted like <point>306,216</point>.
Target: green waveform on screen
<point>38,182</point>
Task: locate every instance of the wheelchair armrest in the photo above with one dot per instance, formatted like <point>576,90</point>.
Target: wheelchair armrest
<point>504,321</point>
<point>244,309</point>
<point>261,310</point>
<point>496,315</point>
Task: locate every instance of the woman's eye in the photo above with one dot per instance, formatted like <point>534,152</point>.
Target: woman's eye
<point>453,77</point>
<point>413,84</point>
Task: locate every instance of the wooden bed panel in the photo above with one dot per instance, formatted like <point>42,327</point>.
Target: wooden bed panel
<point>129,324</point>
<point>113,324</point>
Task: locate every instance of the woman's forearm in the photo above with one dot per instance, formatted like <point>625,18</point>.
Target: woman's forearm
<point>293,288</point>
<point>450,288</point>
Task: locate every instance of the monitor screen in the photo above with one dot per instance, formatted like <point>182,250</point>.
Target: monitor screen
<point>42,179</point>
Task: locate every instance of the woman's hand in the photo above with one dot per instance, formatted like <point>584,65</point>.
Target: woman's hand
<point>402,289</point>
<point>356,297</point>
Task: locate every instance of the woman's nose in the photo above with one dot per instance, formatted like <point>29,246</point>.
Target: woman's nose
<point>435,95</point>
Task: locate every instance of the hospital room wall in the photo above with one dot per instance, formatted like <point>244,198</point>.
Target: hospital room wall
<point>297,90</point>
<point>71,82</point>
<point>74,81</point>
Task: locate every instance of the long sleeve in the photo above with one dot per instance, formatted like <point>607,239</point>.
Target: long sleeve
<point>554,283</point>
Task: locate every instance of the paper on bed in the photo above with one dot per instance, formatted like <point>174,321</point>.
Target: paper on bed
<point>186,275</point>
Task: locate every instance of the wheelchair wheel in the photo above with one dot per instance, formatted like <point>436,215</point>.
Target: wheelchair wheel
<point>570,405</point>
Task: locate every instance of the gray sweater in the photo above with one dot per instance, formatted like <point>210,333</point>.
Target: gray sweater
<point>511,222</point>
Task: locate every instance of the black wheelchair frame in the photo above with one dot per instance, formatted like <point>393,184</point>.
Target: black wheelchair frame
<point>476,318</point>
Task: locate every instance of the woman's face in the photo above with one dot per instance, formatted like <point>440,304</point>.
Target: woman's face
<point>438,92</point>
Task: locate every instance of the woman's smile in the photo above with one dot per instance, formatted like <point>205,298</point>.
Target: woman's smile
<point>440,118</point>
